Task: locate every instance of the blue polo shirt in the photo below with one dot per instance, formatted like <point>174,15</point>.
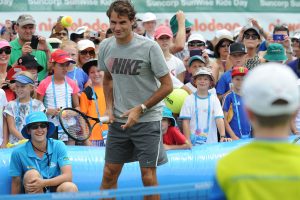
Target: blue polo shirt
<point>223,84</point>
<point>24,158</point>
<point>79,76</point>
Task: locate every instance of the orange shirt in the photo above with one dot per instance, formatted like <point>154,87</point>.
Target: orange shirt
<point>88,107</point>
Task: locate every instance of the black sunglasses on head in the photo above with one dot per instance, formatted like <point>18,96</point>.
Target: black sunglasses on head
<point>6,50</point>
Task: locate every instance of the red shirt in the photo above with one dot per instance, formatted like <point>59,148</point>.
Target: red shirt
<point>173,136</point>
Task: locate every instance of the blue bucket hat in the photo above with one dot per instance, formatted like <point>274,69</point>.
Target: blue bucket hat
<point>167,113</point>
<point>35,117</point>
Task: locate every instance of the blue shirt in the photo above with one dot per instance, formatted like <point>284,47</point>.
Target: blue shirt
<point>80,77</point>
<point>223,84</point>
<point>24,158</point>
<point>294,66</point>
<point>244,121</point>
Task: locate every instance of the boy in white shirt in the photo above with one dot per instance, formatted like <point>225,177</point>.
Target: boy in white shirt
<point>202,112</point>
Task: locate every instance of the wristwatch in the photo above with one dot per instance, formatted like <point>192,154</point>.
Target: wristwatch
<point>144,108</point>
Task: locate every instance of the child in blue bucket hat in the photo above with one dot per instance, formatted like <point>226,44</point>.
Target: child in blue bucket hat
<point>41,164</point>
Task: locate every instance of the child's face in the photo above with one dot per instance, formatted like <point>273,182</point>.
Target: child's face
<point>238,59</point>
<point>165,123</point>
<point>61,69</point>
<point>237,82</point>
<point>203,82</point>
<point>22,90</point>
<point>86,55</point>
<point>96,75</point>
<point>195,66</point>
<point>164,42</point>
<point>73,52</point>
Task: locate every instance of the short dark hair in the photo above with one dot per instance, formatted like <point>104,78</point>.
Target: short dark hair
<point>122,8</point>
<point>281,28</point>
<point>273,121</point>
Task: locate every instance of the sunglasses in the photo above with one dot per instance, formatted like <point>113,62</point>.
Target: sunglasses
<point>295,40</point>
<point>225,45</point>
<point>61,34</point>
<point>253,37</point>
<point>85,52</point>
<point>196,44</point>
<point>7,51</point>
<point>36,126</point>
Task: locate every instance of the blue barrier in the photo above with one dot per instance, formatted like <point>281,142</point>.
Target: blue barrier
<point>184,166</point>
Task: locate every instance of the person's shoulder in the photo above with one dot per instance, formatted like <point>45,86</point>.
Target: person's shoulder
<point>56,143</point>
<point>176,59</point>
<point>104,43</point>
<point>143,40</point>
<point>88,91</point>
<point>293,62</point>
<point>15,44</point>
<point>47,80</point>
<point>20,149</point>
<point>228,95</point>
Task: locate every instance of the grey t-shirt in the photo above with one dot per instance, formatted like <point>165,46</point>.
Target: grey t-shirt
<point>135,68</point>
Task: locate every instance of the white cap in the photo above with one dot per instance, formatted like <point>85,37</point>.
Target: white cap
<point>53,40</point>
<point>81,29</point>
<point>196,36</point>
<point>296,35</point>
<point>84,44</point>
<point>148,17</point>
<point>204,71</point>
<point>237,31</point>
<point>266,84</point>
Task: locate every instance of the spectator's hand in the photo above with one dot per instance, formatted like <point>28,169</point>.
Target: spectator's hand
<point>167,147</point>
<point>42,44</point>
<point>235,138</point>
<point>186,62</point>
<point>206,57</point>
<point>255,23</point>
<point>287,43</point>
<point>26,49</point>
<point>133,116</point>
<point>180,17</point>
<point>53,111</point>
<point>34,185</point>
<point>224,139</point>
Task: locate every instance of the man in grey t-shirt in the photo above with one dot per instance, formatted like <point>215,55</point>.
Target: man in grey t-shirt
<point>135,82</point>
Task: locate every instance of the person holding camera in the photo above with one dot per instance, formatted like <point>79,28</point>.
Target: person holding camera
<point>28,43</point>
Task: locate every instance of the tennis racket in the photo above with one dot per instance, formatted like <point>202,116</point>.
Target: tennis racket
<point>77,125</point>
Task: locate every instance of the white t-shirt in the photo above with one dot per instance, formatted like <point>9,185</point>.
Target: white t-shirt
<point>175,65</point>
<point>19,111</point>
<point>3,103</point>
<point>188,111</point>
<point>194,89</point>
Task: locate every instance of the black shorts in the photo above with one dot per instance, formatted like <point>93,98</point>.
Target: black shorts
<point>141,142</point>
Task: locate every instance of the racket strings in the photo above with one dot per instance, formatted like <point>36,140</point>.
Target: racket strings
<point>77,126</point>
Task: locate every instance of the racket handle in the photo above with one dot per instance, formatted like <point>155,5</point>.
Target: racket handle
<point>104,119</point>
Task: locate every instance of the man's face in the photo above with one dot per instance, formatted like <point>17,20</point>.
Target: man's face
<point>121,26</point>
<point>196,45</point>
<point>251,39</point>
<point>238,59</point>
<point>25,32</point>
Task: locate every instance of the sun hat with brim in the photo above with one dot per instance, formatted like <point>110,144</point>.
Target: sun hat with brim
<point>25,20</point>
<point>296,36</point>
<point>87,66</point>
<point>275,52</point>
<point>149,17</point>
<point>30,62</point>
<point>174,24</point>
<point>163,30</point>
<point>167,113</point>
<point>37,117</point>
<point>239,71</point>
<point>204,71</point>
<point>22,78</point>
<point>193,58</point>
<point>60,56</point>
<point>222,35</point>
<point>4,43</point>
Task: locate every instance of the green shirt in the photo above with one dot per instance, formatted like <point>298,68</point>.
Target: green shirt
<point>41,56</point>
<point>261,170</point>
